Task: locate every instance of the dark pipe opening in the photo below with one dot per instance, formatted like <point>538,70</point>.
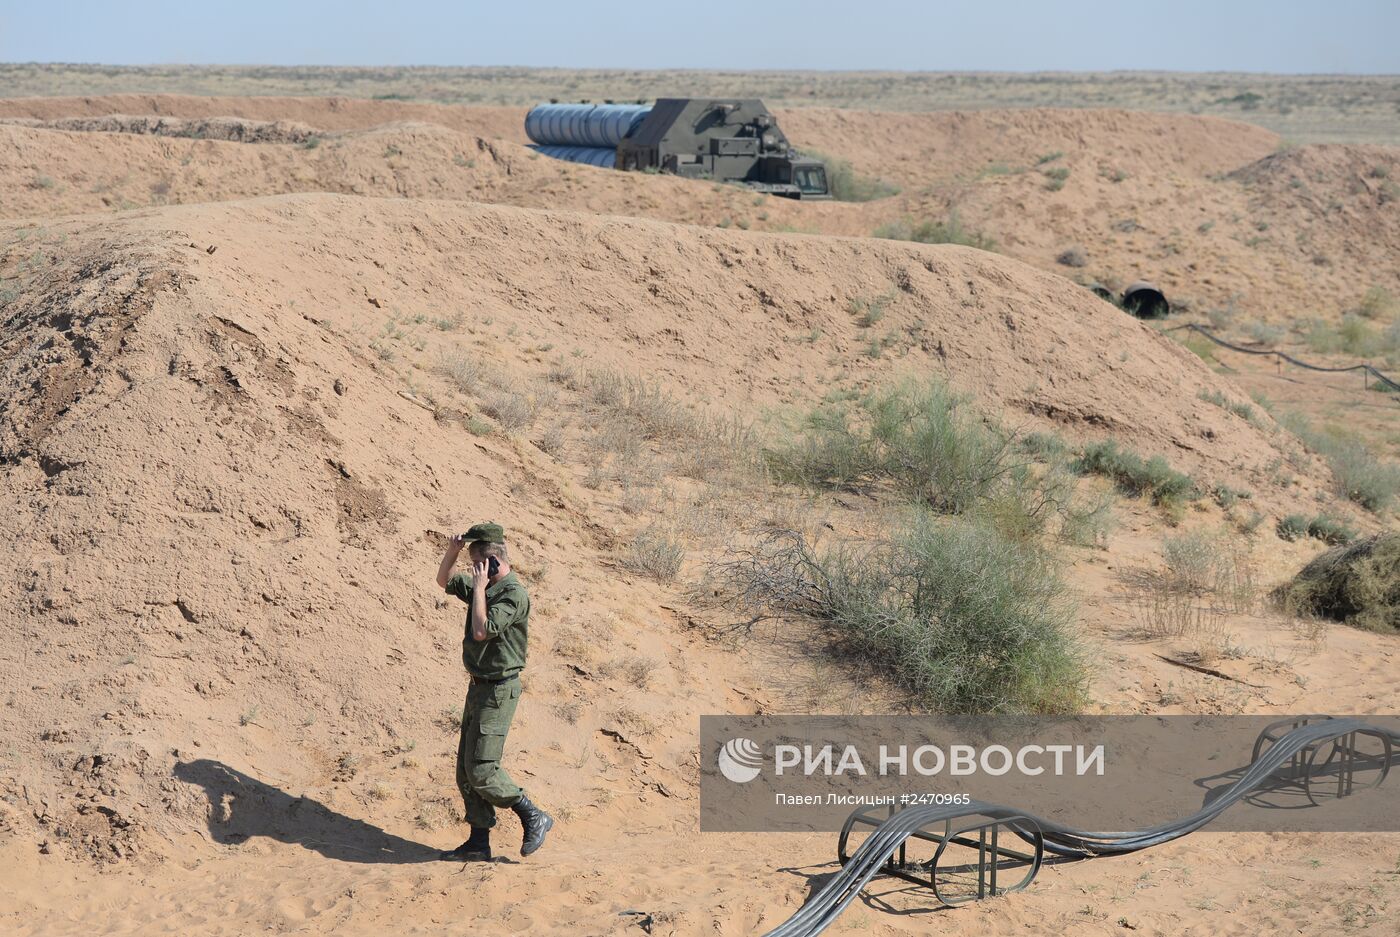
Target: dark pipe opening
<point>1145,301</point>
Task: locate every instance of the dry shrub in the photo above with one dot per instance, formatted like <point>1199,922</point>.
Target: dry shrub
<point>638,670</point>
<point>1190,559</point>
<point>508,407</point>
<point>1073,257</point>
<point>632,722</point>
<point>1358,584</point>
<point>1207,577</point>
<point>720,451</point>
<point>1169,613</point>
<point>570,644</point>
<point>1219,564</point>
<point>1312,629</point>
<point>460,368</point>
<point>655,553</point>
<point>550,440</point>
<point>434,813</point>
<point>569,711</point>
<point>1089,520</point>
<point>638,500</point>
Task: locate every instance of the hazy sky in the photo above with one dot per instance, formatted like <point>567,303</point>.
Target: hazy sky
<point>1357,36</point>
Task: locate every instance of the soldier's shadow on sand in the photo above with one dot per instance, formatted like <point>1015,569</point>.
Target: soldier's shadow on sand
<point>242,807</point>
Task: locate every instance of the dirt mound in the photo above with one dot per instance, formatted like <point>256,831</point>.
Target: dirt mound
<point>1204,207</point>
<point>65,171</point>
<point>922,149</point>
<point>235,129</point>
<point>1340,206</point>
<point>207,444</point>
<point>323,113</point>
<point>911,149</point>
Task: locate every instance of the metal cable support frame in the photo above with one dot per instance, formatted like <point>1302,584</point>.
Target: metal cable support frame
<point>823,908</point>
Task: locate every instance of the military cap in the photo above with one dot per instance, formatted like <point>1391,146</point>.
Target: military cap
<point>490,531</point>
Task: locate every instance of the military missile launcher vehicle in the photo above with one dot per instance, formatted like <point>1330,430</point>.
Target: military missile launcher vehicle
<point>730,140</point>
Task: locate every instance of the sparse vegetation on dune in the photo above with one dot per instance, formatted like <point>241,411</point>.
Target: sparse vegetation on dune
<point>1359,473</point>
<point>847,185</point>
<point>950,231</point>
<point>1324,527</point>
<point>1153,477</point>
<point>939,451</point>
<point>989,627</point>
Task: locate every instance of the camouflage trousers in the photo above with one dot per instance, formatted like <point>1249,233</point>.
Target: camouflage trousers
<point>485,721</point>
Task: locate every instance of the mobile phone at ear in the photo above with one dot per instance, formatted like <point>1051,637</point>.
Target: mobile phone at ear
<point>493,566</point>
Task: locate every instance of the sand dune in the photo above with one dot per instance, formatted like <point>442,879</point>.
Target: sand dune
<point>1184,201</point>
<point>230,448</point>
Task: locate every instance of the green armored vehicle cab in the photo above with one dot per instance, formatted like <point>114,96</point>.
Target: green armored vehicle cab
<point>724,140</point>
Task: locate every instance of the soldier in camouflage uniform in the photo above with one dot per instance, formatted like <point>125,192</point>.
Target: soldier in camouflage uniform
<point>493,651</point>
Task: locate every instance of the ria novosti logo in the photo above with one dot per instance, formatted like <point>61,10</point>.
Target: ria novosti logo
<point>740,760</point>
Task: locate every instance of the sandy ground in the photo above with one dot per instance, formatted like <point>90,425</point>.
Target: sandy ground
<point>229,445</point>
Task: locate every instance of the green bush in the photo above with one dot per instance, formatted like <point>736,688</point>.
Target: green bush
<point>1242,410</point>
<point>1154,477</point>
<point>1292,527</point>
<point>1323,527</point>
<point>1330,530</point>
<point>928,440</point>
<point>1362,477</point>
<point>868,310</point>
<point>847,185</point>
<point>961,618</point>
<point>1047,447</point>
<point>1088,521</point>
<point>1228,497</point>
<point>938,451</point>
<point>1263,333</point>
<point>932,444</point>
<point>1353,336</point>
<point>1055,178</point>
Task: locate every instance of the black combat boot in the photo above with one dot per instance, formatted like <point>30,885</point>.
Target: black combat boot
<point>535,822</point>
<point>477,848</point>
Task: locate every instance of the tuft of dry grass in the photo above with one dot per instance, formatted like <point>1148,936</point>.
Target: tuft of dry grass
<point>550,440</point>
<point>435,813</point>
<point>569,711</point>
<point>632,722</point>
<point>654,553</point>
<point>461,369</point>
<point>570,644</point>
<point>638,670</point>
